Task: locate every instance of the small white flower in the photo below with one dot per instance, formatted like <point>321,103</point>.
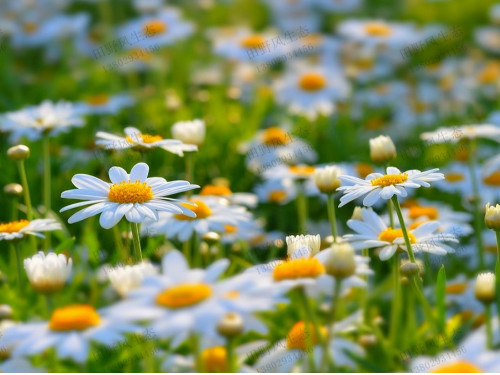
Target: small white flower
<point>492,216</point>
<point>18,229</point>
<point>327,178</point>
<point>190,132</point>
<point>125,278</point>
<point>382,149</point>
<point>457,133</point>
<point>311,243</point>
<point>485,287</point>
<point>377,185</point>
<point>48,273</point>
<point>133,195</point>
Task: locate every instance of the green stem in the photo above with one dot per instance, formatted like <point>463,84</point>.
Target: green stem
<point>16,252</point>
<point>302,210</point>
<point>189,169</point>
<point>46,185</point>
<point>137,243</point>
<point>477,212</point>
<point>365,292</point>
<point>231,356</point>
<point>26,190</point>
<point>307,318</point>
<point>497,274</point>
<point>331,321</point>
<point>489,329</point>
<point>119,244</point>
<point>403,228</point>
<point>50,305</point>
<point>195,349</point>
<point>332,216</point>
<point>390,208</point>
<point>196,250</point>
<point>396,301</point>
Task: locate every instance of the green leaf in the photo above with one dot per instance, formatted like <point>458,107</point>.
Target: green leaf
<point>440,299</point>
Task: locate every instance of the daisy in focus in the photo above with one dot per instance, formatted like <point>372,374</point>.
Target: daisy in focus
<point>133,195</point>
<point>16,230</point>
<point>136,140</point>
<point>377,185</point>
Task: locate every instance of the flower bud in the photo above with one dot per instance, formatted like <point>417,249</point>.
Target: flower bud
<point>211,238</point>
<point>326,178</point>
<point>230,325</point>
<point>409,269</point>
<point>341,261</point>
<point>5,312</point>
<point>190,132</point>
<point>485,287</point>
<point>382,149</point>
<point>48,273</point>
<point>367,341</point>
<point>301,243</point>
<point>19,152</point>
<point>492,216</point>
<point>13,189</point>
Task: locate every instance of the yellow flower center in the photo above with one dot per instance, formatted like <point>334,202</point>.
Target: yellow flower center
<point>30,27</point>
<point>420,107</point>
<point>13,226</point>
<point>456,288</point>
<point>214,359</point>
<point>364,169</point>
<point>146,138</point>
<point>130,192</point>
<point>364,63</point>
<point>417,211</point>
<point>375,123</point>
<point>232,294</point>
<point>253,41</point>
<point>454,177</point>
<point>216,190</point>
<point>389,179</point>
<point>302,169</point>
<point>277,196</point>
<point>98,100</point>
<point>490,74</point>
<point>76,317</point>
<point>202,211</point>
<point>154,27</point>
<point>389,235</point>
<point>378,29</point>
<point>275,136</point>
<point>312,82</point>
<point>301,337</point>
<point>298,269</point>
<point>456,368</point>
<point>140,54</point>
<point>230,228</point>
<point>184,295</point>
<point>493,179</point>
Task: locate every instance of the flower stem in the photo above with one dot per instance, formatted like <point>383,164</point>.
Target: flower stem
<point>403,228</point>
<point>365,292</point>
<point>333,316</point>
<point>26,190</point>
<point>489,329</point>
<point>119,244</point>
<point>312,318</point>
<point>189,170</point>
<point>137,243</point>
<point>477,213</point>
<point>302,209</point>
<point>396,301</point>
<point>332,216</point>
<point>16,252</point>
<point>46,185</point>
<point>231,357</point>
<point>497,274</point>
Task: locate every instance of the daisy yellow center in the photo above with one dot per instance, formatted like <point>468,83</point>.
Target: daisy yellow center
<point>298,269</point>
<point>375,123</point>
<point>389,235</point>
<point>13,226</point>
<point>302,169</point>
<point>277,196</point>
<point>430,212</point>
<point>301,337</point>
<point>364,169</point>
<point>184,295</point>
<point>215,190</point>
<point>490,249</point>
<point>493,179</point>
<point>140,54</point>
<point>378,29</point>
<point>30,28</point>
<point>154,27</point>
<point>214,359</point>
<point>420,107</point>
<point>230,228</point>
<point>364,63</point>
<point>98,100</point>
<point>312,82</point>
<point>145,138</point>
<point>389,179</point>
<point>456,288</point>
<point>253,41</point>
<point>130,192</point>
<point>456,368</point>
<point>454,177</point>
<point>202,211</point>
<point>77,317</point>
<point>490,74</point>
<point>232,294</point>
<point>275,136</point>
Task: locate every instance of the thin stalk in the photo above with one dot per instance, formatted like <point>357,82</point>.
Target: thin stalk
<point>15,209</point>
<point>16,252</point>
<point>403,228</point>
<point>196,251</point>
<point>186,249</point>
<point>46,185</point>
<point>308,336</point>
<point>477,212</point>
<point>312,317</point>
<point>119,244</point>
<point>390,209</point>
<point>489,329</point>
<point>189,170</point>
<point>137,243</point>
<point>331,321</point>
<point>396,301</point>
<point>49,304</point>
<point>302,209</point>
<point>365,293</point>
<point>332,216</point>
<point>26,190</point>
<point>195,349</point>
<point>497,274</point>
<point>231,356</point>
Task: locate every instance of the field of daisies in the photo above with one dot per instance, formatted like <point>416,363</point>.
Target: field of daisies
<point>249,186</point>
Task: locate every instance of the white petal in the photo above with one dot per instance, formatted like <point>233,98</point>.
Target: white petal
<point>139,172</point>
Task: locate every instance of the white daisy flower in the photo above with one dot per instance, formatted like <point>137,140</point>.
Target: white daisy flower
<point>37,121</point>
<point>488,37</point>
<point>48,273</point>
<point>103,104</point>
<point>18,229</point>
<point>70,331</point>
<point>457,133</point>
<point>210,215</point>
<point>123,279</point>
<point>279,191</point>
<point>377,185</point>
<point>133,195</point>
<point>190,132</point>
<point>223,191</point>
<point>136,140</point>
<point>372,232</point>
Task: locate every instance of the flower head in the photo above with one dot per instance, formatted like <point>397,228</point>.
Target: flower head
<point>191,132</point>
<point>492,216</point>
<point>311,243</point>
<point>18,229</point>
<point>327,178</point>
<point>48,273</point>
<point>485,287</point>
<point>382,149</point>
